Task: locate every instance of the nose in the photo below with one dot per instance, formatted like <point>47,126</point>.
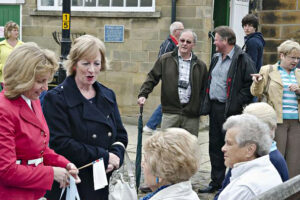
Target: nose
<point>223,148</point>
<point>45,86</point>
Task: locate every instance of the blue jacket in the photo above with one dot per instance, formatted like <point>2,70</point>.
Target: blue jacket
<point>167,46</point>
<point>254,47</point>
<point>84,131</point>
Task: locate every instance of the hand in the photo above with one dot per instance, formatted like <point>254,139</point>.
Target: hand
<point>114,160</point>
<point>141,101</point>
<point>61,175</point>
<point>294,88</point>
<point>110,167</point>
<point>72,169</point>
<point>256,77</point>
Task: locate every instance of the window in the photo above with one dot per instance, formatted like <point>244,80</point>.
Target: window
<point>101,5</point>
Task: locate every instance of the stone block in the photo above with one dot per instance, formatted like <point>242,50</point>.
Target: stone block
<point>153,56</point>
<point>151,45</point>
<point>130,67</point>
<point>145,67</point>
<point>290,32</point>
<point>144,23</point>
<point>32,31</point>
<point>271,45</point>
<point>193,23</point>
<point>166,11</point>
<point>139,56</point>
<point>144,34</point>
<point>186,11</point>
<point>280,17</point>
<point>270,31</point>
<point>121,55</point>
<point>49,21</point>
<point>115,65</point>
<point>279,5</point>
<point>26,20</point>
<point>270,58</point>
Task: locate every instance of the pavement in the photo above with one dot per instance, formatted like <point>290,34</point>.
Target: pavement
<point>200,179</point>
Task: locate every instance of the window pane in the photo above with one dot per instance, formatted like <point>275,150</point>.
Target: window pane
<point>77,2</point>
<point>90,3</point>
<point>146,3</point>
<point>132,3</point>
<point>103,2</point>
<point>60,2</point>
<point>117,3</point>
<point>47,2</point>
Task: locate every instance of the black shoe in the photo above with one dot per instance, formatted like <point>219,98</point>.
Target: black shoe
<point>145,189</point>
<point>208,189</point>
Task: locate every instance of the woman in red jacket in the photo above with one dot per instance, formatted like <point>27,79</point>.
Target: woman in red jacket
<point>27,165</point>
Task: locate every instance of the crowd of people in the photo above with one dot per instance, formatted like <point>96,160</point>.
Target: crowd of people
<point>42,147</point>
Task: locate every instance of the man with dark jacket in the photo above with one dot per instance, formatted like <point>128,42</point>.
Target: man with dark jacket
<point>228,90</point>
<point>167,46</point>
<point>183,76</point>
<point>254,41</point>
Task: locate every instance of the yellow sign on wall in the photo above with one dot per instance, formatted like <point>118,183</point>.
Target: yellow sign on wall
<point>66,21</point>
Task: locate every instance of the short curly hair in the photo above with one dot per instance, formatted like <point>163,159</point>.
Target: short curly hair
<point>9,26</point>
<point>173,155</point>
<point>85,46</point>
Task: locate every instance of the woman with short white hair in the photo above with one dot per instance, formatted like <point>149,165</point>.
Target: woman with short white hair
<point>247,144</point>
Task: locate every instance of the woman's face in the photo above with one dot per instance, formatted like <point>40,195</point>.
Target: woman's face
<point>150,180</point>
<point>40,84</point>
<point>14,33</point>
<point>87,70</point>
<point>289,61</point>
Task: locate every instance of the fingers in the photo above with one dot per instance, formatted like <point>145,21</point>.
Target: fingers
<point>74,172</point>
<point>294,87</point>
<point>61,175</point>
<point>114,160</point>
<point>141,101</point>
<point>256,77</point>
<point>110,167</point>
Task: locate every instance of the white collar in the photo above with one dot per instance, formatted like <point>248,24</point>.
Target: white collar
<point>27,100</point>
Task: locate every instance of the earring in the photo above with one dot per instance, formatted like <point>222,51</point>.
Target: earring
<point>157,179</point>
<point>74,69</point>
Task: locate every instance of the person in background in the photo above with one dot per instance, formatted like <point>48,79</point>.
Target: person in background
<point>171,158</point>
<point>28,166</point>
<point>183,76</point>
<point>168,45</point>
<point>254,41</point>
<point>282,80</point>
<point>265,113</point>
<point>84,119</point>
<point>246,151</point>
<point>227,92</point>
<point>11,34</point>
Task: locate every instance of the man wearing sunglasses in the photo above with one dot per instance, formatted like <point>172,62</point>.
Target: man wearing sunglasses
<point>227,92</point>
<point>183,76</point>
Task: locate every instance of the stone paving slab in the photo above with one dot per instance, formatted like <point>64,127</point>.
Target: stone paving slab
<point>200,179</point>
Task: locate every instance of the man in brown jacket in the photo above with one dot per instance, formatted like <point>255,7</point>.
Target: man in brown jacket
<point>183,76</point>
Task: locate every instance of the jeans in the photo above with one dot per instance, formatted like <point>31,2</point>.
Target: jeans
<point>155,118</point>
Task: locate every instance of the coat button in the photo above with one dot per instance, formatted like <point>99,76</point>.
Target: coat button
<point>42,133</point>
<point>42,152</point>
<point>109,134</point>
<point>61,87</point>
<point>94,136</point>
<point>107,116</point>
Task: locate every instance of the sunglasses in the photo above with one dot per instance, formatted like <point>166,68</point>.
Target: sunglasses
<point>187,41</point>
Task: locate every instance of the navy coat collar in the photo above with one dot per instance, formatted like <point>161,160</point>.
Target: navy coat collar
<point>104,100</point>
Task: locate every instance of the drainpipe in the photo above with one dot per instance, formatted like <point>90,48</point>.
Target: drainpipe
<point>173,16</point>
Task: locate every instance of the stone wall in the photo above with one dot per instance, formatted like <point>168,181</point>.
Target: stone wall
<point>132,60</point>
<point>280,20</point>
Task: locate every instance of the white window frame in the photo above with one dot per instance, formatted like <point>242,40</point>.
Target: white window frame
<point>100,9</point>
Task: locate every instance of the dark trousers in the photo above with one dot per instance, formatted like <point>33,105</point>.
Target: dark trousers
<point>216,142</point>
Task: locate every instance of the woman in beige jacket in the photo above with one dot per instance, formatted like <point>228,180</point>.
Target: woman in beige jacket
<point>280,83</point>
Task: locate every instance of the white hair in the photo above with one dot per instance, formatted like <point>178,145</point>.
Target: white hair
<point>251,131</point>
<point>174,26</point>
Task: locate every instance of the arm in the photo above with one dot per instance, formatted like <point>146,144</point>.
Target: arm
<point>152,80</point>
<point>12,174</point>
<point>62,139</point>
<point>252,51</point>
<point>257,87</point>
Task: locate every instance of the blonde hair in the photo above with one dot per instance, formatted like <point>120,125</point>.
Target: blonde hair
<point>263,112</point>
<point>9,26</point>
<point>24,65</point>
<point>287,47</point>
<point>172,154</point>
<point>85,46</point>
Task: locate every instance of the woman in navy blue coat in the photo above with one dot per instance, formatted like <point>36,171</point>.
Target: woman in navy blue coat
<point>84,119</point>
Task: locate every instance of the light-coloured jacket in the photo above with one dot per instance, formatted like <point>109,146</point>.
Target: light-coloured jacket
<point>275,91</point>
<point>178,191</point>
<point>250,179</point>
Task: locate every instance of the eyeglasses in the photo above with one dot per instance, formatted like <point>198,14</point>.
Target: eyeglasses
<point>293,58</point>
<point>187,41</point>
